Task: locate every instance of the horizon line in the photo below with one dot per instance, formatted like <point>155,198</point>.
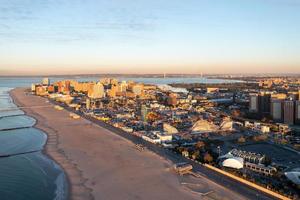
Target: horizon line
<point>156,74</point>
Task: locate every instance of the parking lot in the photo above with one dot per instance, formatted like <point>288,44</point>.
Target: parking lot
<point>278,154</point>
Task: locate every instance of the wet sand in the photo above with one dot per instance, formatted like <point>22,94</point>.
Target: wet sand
<point>102,165</point>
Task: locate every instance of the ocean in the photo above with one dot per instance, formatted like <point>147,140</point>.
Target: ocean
<point>28,174</point>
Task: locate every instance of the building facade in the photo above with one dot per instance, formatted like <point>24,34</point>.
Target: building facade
<point>253,104</point>
<point>277,110</point>
<point>289,112</point>
<point>97,91</point>
<point>297,112</point>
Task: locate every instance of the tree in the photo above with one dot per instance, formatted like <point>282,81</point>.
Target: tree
<point>241,140</point>
<point>200,145</point>
<point>208,158</point>
<point>283,141</point>
<point>236,113</point>
<point>260,138</point>
<point>195,155</point>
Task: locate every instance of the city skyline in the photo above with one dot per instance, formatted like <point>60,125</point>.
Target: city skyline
<point>142,37</point>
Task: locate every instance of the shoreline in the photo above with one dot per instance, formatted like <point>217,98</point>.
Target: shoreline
<point>51,150</point>
<point>92,156</point>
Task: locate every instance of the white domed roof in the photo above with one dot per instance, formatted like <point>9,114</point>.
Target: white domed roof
<point>294,175</point>
<point>234,162</point>
<point>204,126</point>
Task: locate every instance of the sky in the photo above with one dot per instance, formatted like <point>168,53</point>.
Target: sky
<point>149,36</point>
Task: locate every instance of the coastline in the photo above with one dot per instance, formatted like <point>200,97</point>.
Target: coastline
<point>52,151</point>
<point>91,157</point>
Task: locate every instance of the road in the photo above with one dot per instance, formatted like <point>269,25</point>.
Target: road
<point>218,178</point>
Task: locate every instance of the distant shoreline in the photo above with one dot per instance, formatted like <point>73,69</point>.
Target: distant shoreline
<point>161,75</point>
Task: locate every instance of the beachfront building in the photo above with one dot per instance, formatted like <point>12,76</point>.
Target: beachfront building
<point>33,87</point>
<point>97,91</point>
<point>46,81</point>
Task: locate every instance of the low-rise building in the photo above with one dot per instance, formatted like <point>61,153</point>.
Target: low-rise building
<point>266,170</point>
<point>265,129</point>
<point>248,156</point>
<point>164,137</point>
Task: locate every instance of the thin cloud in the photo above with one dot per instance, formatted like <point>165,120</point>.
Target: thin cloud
<point>24,21</point>
<point>5,26</point>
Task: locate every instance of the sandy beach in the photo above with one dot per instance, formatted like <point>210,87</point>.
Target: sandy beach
<point>102,165</point>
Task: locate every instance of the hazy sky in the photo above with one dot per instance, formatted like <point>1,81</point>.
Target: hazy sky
<point>149,36</point>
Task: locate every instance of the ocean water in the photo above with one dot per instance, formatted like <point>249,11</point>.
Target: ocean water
<point>16,121</point>
<point>27,174</point>
<point>21,140</point>
<point>13,82</point>
<point>7,107</point>
<point>30,177</point>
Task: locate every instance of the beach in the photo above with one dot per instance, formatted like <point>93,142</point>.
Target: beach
<point>102,165</point>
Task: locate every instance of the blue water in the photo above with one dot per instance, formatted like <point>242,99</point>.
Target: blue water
<point>13,82</point>
<point>21,140</point>
<point>13,122</point>
<point>25,176</point>
<point>30,177</point>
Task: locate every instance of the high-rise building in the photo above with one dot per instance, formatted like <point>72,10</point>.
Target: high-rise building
<point>112,91</point>
<point>264,101</point>
<point>105,81</point>
<point>122,87</point>
<point>51,89</point>
<point>114,81</point>
<point>97,91</point>
<point>41,90</point>
<point>137,89</point>
<point>60,86</point>
<point>277,109</point>
<point>289,112</point>
<point>144,113</point>
<point>253,103</point>
<point>33,86</point>
<point>260,103</point>
<point>83,87</point>
<point>88,103</point>
<point>46,81</point>
<point>297,112</point>
<point>67,88</point>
